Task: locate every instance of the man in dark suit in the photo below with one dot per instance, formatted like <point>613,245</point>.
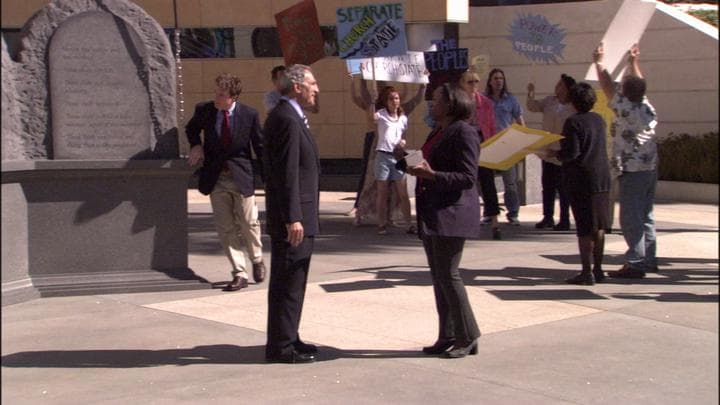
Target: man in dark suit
<point>230,131</point>
<point>292,168</point>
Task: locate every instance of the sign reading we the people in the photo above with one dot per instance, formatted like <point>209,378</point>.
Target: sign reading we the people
<point>408,68</point>
<point>447,58</point>
<point>445,64</point>
<point>371,31</point>
<point>534,37</point>
<point>300,36</point>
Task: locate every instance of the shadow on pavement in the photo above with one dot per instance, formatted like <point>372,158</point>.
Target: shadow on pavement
<point>398,276</point>
<point>213,354</point>
<point>333,353</point>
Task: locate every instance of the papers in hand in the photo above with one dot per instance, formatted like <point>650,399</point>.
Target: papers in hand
<point>512,144</point>
<point>414,158</point>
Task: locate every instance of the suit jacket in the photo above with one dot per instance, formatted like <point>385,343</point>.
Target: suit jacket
<point>245,133</point>
<point>448,205</point>
<point>292,168</point>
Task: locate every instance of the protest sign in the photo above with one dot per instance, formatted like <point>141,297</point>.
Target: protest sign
<point>300,36</point>
<point>445,64</point>
<point>371,31</point>
<point>534,37</point>
<point>512,144</point>
<point>353,66</point>
<point>480,64</point>
<point>408,68</point>
<point>626,29</point>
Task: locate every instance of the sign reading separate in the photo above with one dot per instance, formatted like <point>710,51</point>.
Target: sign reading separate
<point>533,36</point>
<point>300,36</point>
<point>512,144</point>
<point>371,31</point>
<point>408,68</point>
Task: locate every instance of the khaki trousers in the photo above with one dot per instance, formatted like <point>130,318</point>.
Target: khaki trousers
<point>236,221</point>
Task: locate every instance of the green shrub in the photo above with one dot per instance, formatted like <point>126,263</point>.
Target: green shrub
<point>709,16</point>
<point>684,157</point>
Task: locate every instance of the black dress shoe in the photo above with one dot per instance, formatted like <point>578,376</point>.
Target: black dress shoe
<point>582,279</point>
<point>461,351</point>
<point>562,226</point>
<point>547,222</point>
<point>259,272</point>
<point>599,276</point>
<point>303,347</point>
<point>441,346</point>
<point>292,358</point>
<point>236,284</point>
<point>627,272</point>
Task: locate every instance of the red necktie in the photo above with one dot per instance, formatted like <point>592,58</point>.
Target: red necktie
<point>225,130</point>
<point>225,135</point>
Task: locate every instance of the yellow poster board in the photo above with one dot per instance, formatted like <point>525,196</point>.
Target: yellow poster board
<point>512,144</point>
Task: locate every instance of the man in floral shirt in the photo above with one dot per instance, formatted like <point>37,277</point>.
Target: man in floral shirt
<point>635,159</point>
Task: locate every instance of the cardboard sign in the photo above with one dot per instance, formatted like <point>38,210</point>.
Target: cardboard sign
<point>534,37</point>
<point>369,31</point>
<point>512,144</point>
<point>408,68</point>
<point>300,36</point>
<point>625,29</point>
<point>353,66</point>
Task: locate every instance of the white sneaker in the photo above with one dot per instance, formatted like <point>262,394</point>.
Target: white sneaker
<point>513,221</point>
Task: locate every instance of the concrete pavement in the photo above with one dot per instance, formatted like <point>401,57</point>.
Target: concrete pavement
<point>369,306</point>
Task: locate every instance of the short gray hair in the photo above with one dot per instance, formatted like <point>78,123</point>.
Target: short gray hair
<point>294,74</point>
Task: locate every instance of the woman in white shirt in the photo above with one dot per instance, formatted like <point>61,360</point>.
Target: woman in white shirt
<point>391,126</point>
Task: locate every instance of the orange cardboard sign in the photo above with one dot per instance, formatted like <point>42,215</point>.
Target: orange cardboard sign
<point>300,37</point>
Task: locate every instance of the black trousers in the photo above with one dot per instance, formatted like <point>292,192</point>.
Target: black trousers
<point>367,146</point>
<point>288,278</point>
<point>455,315</point>
<point>552,184</point>
<point>486,183</point>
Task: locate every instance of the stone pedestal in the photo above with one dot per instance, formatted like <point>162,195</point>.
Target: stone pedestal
<point>530,182</point>
<point>76,227</point>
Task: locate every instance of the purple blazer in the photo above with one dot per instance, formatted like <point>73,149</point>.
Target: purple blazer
<point>448,205</point>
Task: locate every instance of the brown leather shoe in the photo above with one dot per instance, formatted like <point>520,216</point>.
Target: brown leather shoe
<point>236,284</point>
<point>259,272</point>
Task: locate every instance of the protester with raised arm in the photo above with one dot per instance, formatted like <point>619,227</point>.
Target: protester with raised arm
<point>635,158</point>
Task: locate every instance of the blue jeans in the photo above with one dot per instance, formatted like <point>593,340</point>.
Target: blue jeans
<point>637,192</point>
<point>511,196</point>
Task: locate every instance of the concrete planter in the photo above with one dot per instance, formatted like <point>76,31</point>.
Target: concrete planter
<point>687,192</point>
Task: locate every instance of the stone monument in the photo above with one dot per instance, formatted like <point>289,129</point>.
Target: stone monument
<point>94,197</point>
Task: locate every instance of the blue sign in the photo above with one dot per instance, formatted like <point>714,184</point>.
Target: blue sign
<point>533,36</point>
<point>371,30</point>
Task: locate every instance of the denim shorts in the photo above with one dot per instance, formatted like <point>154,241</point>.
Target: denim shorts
<point>385,167</point>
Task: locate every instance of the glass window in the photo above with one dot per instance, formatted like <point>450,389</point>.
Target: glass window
<point>239,42</point>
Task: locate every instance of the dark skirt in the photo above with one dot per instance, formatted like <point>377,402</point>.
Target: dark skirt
<point>590,211</point>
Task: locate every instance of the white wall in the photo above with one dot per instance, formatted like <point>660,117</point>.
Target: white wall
<point>680,62</point>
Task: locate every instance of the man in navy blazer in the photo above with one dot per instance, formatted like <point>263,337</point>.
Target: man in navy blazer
<point>230,131</point>
<point>292,168</point>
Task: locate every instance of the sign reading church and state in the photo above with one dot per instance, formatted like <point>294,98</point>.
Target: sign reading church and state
<point>371,30</point>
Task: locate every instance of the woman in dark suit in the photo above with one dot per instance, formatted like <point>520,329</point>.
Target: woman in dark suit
<point>448,213</point>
